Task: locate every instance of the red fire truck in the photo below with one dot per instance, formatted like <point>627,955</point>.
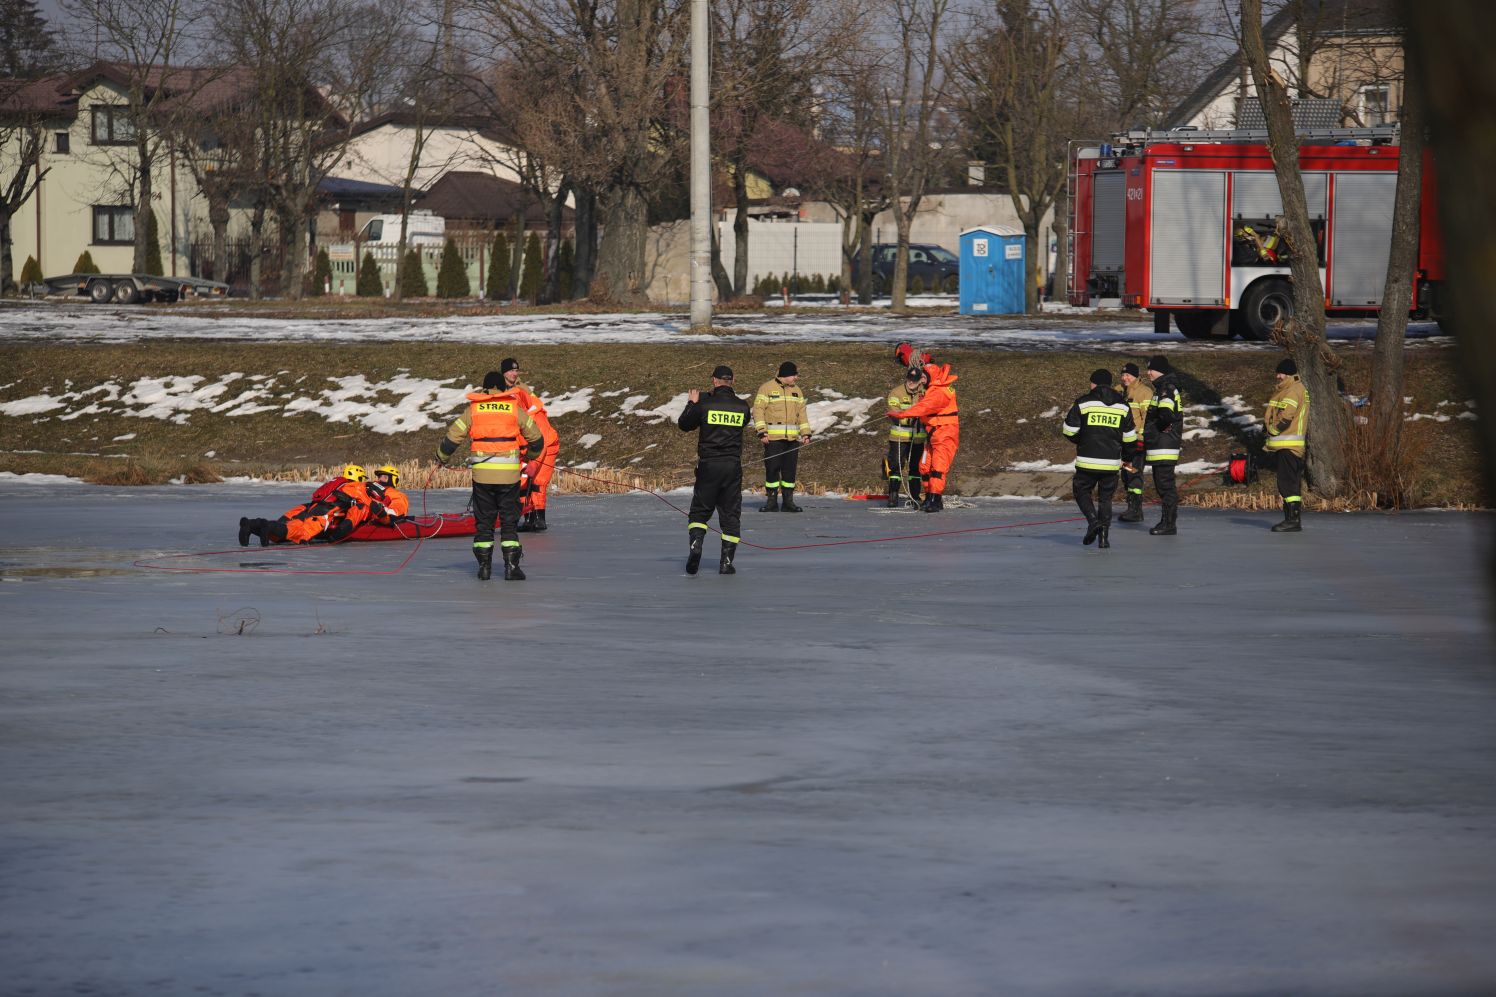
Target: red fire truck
<point>1184,223</point>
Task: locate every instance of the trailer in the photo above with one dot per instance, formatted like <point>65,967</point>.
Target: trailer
<point>1185,225</point>
<point>131,288</point>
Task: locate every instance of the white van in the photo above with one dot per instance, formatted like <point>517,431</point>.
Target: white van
<point>423,229</point>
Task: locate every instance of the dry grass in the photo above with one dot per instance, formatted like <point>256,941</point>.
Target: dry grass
<point>1004,396</point>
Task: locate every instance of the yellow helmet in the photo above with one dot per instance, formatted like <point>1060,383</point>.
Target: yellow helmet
<point>355,472</point>
<point>392,471</point>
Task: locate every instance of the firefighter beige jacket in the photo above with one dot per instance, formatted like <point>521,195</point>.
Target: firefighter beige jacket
<point>779,411</point>
<point>1287,416</point>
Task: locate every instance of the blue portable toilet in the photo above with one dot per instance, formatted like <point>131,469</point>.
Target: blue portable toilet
<point>992,270</point>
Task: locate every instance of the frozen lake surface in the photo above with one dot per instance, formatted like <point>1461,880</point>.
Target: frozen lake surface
<point>62,321</point>
<point>1227,762</point>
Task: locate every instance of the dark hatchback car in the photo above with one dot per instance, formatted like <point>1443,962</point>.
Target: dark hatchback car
<point>937,267</point>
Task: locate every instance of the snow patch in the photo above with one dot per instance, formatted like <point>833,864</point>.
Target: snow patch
<point>1039,465</point>
<point>588,440</point>
<point>572,401</point>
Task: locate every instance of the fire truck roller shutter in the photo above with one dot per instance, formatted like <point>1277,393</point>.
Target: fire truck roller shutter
<point>1362,239</point>
<point>1108,221</point>
<point>1254,194</point>
<point>1187,262</point>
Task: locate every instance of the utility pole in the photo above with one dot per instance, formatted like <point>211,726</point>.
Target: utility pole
<point>701,168</point>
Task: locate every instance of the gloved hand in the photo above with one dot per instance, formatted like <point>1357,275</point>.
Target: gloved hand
<point>377,510</point>
<point>531,467</point>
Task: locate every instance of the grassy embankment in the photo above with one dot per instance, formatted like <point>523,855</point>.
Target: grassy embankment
<point>1004,401</point>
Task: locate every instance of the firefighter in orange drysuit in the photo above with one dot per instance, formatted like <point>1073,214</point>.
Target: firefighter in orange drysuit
<point>937,410</point>
<point>387,502</point>
<point>532,493</point>
<point>343,504</point>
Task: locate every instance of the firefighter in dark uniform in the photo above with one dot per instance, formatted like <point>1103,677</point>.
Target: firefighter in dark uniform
<point>1285,423</point>
<point>1137,394</point>
<point>1100,425</point>
<point>494,424</point>
<point>1162,441</point>
<point>720,416</point>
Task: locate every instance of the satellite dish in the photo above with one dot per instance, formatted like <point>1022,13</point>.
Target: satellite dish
<point>791,192</point>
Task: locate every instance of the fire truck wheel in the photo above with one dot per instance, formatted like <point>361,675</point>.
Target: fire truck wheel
<point>1263,306</point>
<point>1202,325</point>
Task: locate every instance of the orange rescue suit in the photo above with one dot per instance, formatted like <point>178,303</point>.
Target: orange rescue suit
<point>937,411</point>
<point>338,515</point>
<point>550,449</point>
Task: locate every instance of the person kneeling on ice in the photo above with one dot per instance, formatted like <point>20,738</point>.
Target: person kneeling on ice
<point>494,424</point>
<point>1100,425</point>
<point>937,411</point>
<point>387,502</point>
<point>335,510</point>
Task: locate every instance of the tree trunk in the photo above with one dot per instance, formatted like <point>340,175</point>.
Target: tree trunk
<point>1061,275</point>
<point>1304,334</point>
<point>899,283</point>
<point>865,252</point>
<point>1458,83</point>
<point>586,258</point>
<point>719,272</point>
<point>848,252</point>
<point>620,255</point>
<point>218,218</point>
<point>740,231</point>
<point>554,214</point>
<point>144,193</point>
<point>256,254</point>
<point>516,253</point>
<point>7,260</point>
<point>1030,263</point>
<point>1392,323</point>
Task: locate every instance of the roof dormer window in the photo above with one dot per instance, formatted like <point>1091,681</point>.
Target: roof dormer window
<point>111,125</point>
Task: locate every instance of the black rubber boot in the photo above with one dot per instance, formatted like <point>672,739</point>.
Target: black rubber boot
<point>772,505</point>
<point>916,487</point>
<point>725,567</point>
<point>893,493</point>
<point>1166,525</point>
<point>693,559</point>
<point>270,532</point>
<point>540,526</point>
<point>485,562</point>
<point>788,501</point>
<point>246,530</point>
<point>1134,513</point>
<point>526,524</point>
<point>1291,522</point>
<point>1093,527</point>
<point>931,503</point>
<point>1103,538</point>
<point>512,572</point>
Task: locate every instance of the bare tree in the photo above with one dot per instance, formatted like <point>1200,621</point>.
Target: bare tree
<point>1018,88</point>
<point>1302,333</point>
<point>306,75</point>
<point>1149,55</point>
<point>1392,321</point>
<point>850,178</point>
<point>766,55</point>
<point>146,42</point>
<point>622,74</point>
<point>910,97</point>
<point>1453,58</point>
<point>23,132</point>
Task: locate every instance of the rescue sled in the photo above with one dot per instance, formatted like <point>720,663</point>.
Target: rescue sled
<point>443,524</point>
